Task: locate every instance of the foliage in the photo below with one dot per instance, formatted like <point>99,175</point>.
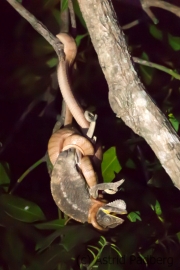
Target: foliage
<point>33,235</point>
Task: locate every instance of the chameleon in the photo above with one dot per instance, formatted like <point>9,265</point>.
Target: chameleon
<point>72,195</point>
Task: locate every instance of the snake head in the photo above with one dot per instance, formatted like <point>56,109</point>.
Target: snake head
<point>107,215</point>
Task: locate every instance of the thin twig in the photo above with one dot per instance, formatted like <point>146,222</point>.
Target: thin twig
<point>30,169</point>
<point>130,25</point>
<point>153,65</point>
<point>149,12</point>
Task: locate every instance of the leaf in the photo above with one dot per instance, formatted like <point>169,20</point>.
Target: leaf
<point>173,121</point>
<point>49,4</point>
<point>4,176</point>
<point>174,42</point>
<point>50,259</point>
<point>46,242</point>
<point>51,225</point>
<point>78,13</point>
<point>178,236</point>
<point>134,216</point>
<point>79,38</point>
<point>130,164</point>
<point>52,62</point>
<point>115,248</point>
<point>159,178</point>
<point>56,15</point>
<point>143,258</point>
<point>64,5</point>
<point>73,238</point>
<point>41,47</point>
<point>21,209</point>
<point>157,208</point>
<point>13,250</point>
<point>110,165</point>
<point>155,32</point>
<point>109,259</point>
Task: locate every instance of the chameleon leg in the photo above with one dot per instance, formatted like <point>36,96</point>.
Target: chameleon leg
<point>110,188</point>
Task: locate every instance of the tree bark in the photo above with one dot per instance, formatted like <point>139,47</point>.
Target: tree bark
<point>127,95</point>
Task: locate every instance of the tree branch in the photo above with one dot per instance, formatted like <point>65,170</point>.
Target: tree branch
<point>127,95</point>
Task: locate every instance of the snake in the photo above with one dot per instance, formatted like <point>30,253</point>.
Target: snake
<point>69,137</point>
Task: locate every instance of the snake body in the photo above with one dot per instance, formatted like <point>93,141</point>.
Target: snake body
<point>70,51</point>
<point>68,137</point>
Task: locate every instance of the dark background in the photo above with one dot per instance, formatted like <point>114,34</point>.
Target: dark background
<point>25,79</point>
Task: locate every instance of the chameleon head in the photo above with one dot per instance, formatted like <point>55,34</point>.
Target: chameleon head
<point>107,215</point>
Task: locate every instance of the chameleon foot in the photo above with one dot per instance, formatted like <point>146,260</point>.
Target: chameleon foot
<point>90,117</point>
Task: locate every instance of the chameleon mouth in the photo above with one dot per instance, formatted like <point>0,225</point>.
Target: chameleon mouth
<point>115,214</point>
<point>115,209</point>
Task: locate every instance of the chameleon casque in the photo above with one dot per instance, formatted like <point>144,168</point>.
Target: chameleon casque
<point>73,181</point>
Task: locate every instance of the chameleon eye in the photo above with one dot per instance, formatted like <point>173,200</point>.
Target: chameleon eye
<point>106,220</point>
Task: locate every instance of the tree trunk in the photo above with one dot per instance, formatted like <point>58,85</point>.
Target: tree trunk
<point>127,95</point>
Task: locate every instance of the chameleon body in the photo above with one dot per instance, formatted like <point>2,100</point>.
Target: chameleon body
<point>69,188</point>
<point>71,194</point>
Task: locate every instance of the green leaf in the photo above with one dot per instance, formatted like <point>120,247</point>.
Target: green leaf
<point>50,4</point>
<point>109,259</point>
<point>92,253</point>
<point>110,165</point>
<point>50,259</point>
<point>116,249</point>
<point>155,32</point>
<point>134,216</point>
<point>52,62</point>
<point>13,249</point>
<point>149,252</point>
<point>79,38</point>
<point>143,258</point>
<point>51,225</point>
<point>157,208</point>
<point>173,121</point>
<point>41,47</point>
<point>4,176</point>
<point>46,242</point>
<point>174,42</point>
<point>130,164</point>
<point>178,236</point>
<point>73,238</point>
<point>21,209</point>
<point>78,13</point>
<point>56,14</point>
<point>64,5</point>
